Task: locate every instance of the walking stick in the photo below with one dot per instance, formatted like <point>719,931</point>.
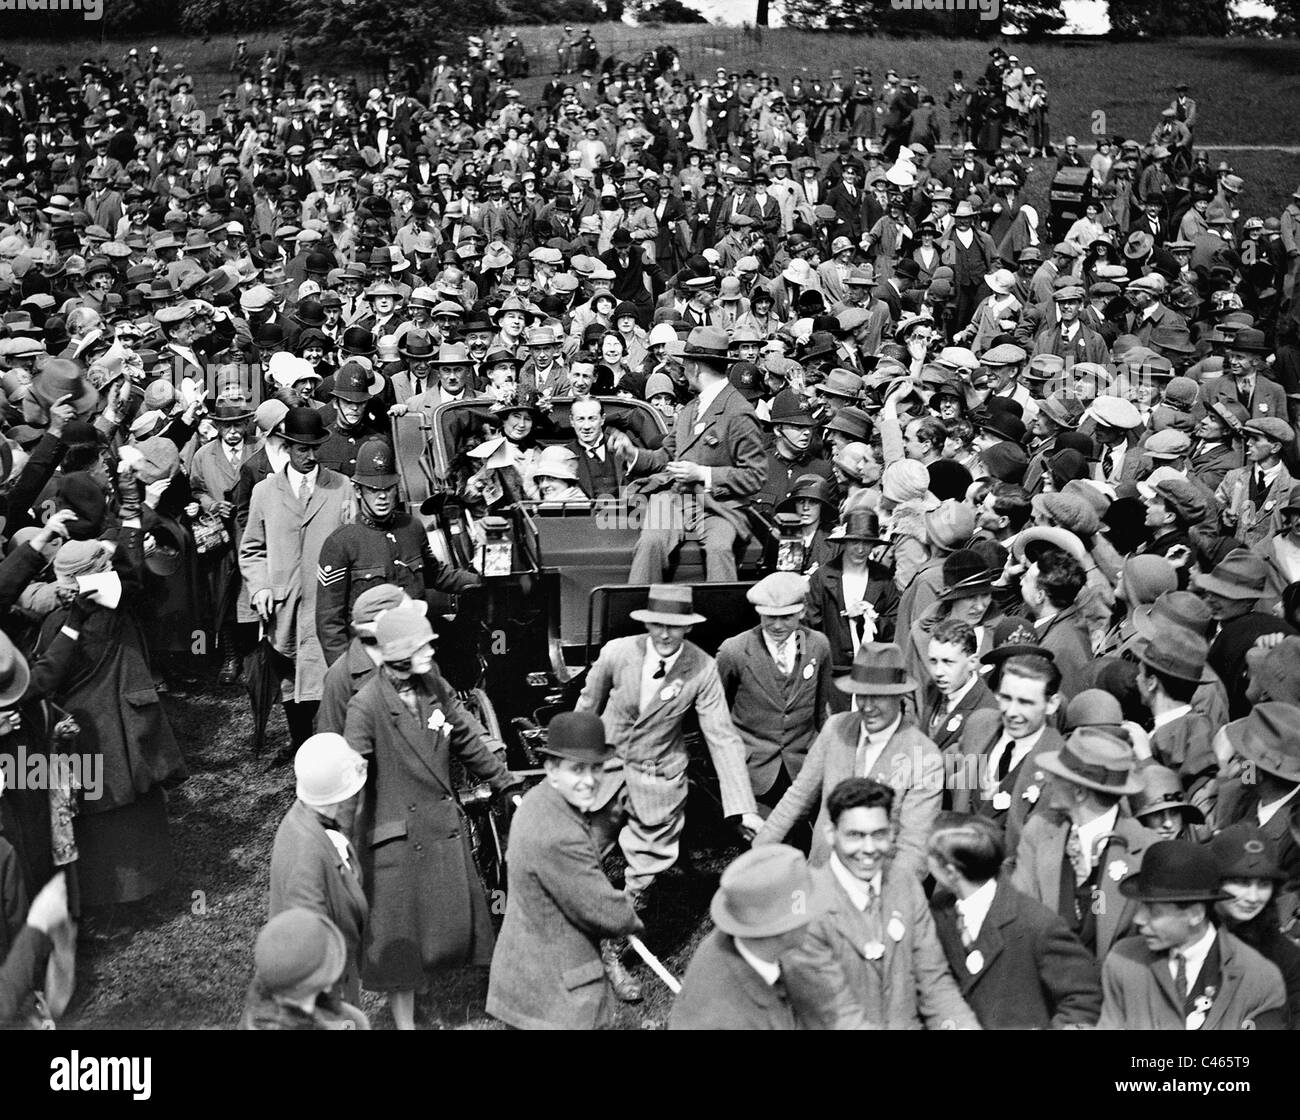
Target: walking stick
<point>656,965</point>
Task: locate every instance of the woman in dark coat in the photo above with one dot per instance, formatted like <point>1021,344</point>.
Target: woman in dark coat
<point>427,907</point>
<point>123,844</point>
<point>1251,877</point>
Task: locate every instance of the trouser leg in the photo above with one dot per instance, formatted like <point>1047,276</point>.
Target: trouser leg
<point>660,535</point>
<point>719,538</point>
<point>650,849</point>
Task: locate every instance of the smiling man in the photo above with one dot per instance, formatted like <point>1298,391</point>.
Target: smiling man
<point>1183,971</point>
<point>546,970</point>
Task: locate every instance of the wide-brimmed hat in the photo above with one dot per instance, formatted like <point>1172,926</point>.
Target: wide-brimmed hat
<point>763,893</point>
<point>862,525</point>
<point>1175,651</point>
<point>1175,871</point>
<point>708,345</point>
<point>1162,789</point>
<point>1244,851</point>
<point>879,669</point>
<point>965,576</point>
<point>1013,637</point>
<point>304,425</point>
<point>1239,575</point>
<point>1182,608</point>
<point>669,605</point>
<point>1096,760</point>
<point>578,736</point>
<point>1269,738</point>
<point>59,378</point>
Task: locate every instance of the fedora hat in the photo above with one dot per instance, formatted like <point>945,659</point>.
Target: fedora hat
<point>1175,871</point>
<point>60,378</point>
<point>577,736</point>
<point>708,345</point>
<point>1181,608</point>
<point>761,891</point>
<point>304,425</point>
<point>1162,789</point>
<point>1243,851</point>
<point>669,605</point>
<point>453,354</point>
<point>1096,760</point>
<point>879,669</point>
<point>1239,575</point>
<point>417,344</point>
<point>1175,651</point>
<point>1270,738</point>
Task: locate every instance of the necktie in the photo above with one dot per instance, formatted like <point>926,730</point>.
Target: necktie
<point>305,493</point>
<point>1078,859</point>
<point>1004,763</point>
<point>1180,973</point>
<point>661,671</point>
<point>963,931</point>
<point>784,662</point>
<point>1245,389</point>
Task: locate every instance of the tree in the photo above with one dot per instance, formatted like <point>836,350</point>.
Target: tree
<point>668,11</point>
<point>1131,19</point>
<point>1029,17</point>
<point>380,30</point>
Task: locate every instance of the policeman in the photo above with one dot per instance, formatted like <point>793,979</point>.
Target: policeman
<point>353,388</point>
<point>380,546</point>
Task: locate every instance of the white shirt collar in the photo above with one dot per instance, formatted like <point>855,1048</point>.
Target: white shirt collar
<point>1265,813</point>
<point>769,971</point>
<point>975,909</point>
<point>855,888</point>
<point>1094,830</point>
<point>774,649</point>
<point>652,658</point>
<point>296,479</point>
<point>1194,954</point>
<point>960,695</point>
<point>872,743</point>
<point>1171,716</point>
<point>708,395</point>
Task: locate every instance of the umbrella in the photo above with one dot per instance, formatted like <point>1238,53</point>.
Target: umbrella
<point>262,679</point>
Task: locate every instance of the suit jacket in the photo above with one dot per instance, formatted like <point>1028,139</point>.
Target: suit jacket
<point>1255,521</point>
<point>909,987</point>
<point>1032,972</point>
<point>1037,870</point>
<point>652,755</point>
<point>910,763</point>
<point>1268,398</point>
<point>280,550</point>
<point>726,439</point>
<point>212,477</point>
<point>1210,466</point>
<point>1139,995</point>
<point>546,970</point>
<point>1066,635</point>
<point>722,992</point>
<point>1020,789</point>
<point>1239,801</point>
<point>777,717</point>
<point>585,483</point>
<point>948,731</point>
<point>307,871</point>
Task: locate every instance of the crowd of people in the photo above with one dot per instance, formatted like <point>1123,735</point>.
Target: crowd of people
<point>1016,740</point>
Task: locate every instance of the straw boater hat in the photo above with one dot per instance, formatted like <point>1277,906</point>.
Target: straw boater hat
<point>669,605</point>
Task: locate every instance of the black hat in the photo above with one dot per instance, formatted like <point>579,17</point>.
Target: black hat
<point>1242,851</point>
<point>355,383</point>
<point>1175,871</point>
<point>358,340</point>
<point>304,425</point>
<point>1012,637</point>
<point>579,736</point>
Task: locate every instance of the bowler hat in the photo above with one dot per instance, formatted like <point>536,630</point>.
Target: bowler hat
<point>1096,760</point>
<point>763,893</point>
<point>669,605</point>
<point>578,736</point>
<point>1175,871</point>
<point>304,425</point>
<point>879,669</point>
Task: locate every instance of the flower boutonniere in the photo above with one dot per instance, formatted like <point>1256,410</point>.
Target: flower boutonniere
<point>953,724</point>
<point>1001,801</point>
<point>873,950</point>
<point>438,722</point>
<point>1031,794</point>
<point>974,962</point>
<point>1200,1009</point>
<point>670,691</point>
<point>1117,869</point>
<point>896,929</point>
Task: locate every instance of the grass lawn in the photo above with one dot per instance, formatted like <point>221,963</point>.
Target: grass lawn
<point>183,959</point>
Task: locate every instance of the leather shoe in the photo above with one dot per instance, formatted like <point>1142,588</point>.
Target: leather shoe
<point>626,986</point>
<point>229,670</point>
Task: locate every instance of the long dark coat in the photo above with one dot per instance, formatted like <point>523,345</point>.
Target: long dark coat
<point>427,908</point>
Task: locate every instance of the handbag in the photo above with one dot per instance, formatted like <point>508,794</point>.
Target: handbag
<point>210,533</point>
